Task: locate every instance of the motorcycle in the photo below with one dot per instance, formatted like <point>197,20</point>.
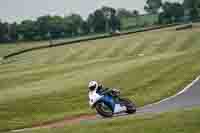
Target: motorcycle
<point>109,104</point>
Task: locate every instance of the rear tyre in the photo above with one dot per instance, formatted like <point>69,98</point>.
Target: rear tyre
<point>131,107</point>
<point>103,110</point>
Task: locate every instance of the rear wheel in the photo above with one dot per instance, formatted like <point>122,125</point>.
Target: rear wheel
<point>131,107</point>
<point>104,110</point>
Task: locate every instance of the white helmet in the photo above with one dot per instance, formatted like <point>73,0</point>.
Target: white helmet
<point>93,85</point>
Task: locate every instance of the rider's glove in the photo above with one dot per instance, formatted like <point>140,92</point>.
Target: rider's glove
<point>116,90</point>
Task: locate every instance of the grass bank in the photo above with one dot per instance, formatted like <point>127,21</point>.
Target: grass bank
<point>52,83</point>
<point>181,121</point>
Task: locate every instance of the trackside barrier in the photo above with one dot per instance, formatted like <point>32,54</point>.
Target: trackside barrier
<point>184,27</point>
<point>90,39</point>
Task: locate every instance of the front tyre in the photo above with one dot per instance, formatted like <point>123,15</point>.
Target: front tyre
<point>131,107</point>
<point>103,110</point>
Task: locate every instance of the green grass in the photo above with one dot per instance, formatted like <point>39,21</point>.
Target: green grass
<point>141,20</point>
<point>9,48</point>
<point>180,121</point>
<point>6,49</point>
<point>52,83</point>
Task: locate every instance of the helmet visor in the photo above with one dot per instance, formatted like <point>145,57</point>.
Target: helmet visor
<point>92,88</point>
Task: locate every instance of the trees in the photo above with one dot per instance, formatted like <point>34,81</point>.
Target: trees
<point>136,15</point>
<point>192,7</point>
<point>85,28</point>
<point>74,24</point>
<point>152,6</point>
<point>172,12</point>
<point>105,19</point>
<point>112,20</point>
<point>8,32</point>
<point>99,21</point>
<point>28,30</point>
<point>44,23</point>
<point>3,32</point>
<point>114,23</point>
<point>123,13</point>
<point>90,22</point>
<point>56,26</point>
<point>13,32</point>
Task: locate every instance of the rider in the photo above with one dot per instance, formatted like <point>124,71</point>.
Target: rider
<point>95,86</point>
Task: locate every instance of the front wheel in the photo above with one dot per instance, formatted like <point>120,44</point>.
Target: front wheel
<point>103,110</point>
<point>131,107</point>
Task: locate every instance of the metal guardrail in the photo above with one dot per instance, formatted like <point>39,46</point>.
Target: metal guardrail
<point>184,27</point>
<point>90,39</point>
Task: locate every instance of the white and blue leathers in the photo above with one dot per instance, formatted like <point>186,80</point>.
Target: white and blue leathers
<point>96,96</point>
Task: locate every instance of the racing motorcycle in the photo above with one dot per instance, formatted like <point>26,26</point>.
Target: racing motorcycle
<point>110,103</point>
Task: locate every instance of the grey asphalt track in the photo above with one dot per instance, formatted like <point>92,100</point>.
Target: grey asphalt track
<point>189,97</point>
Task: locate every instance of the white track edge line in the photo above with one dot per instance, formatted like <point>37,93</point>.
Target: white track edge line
<point>179,93</point>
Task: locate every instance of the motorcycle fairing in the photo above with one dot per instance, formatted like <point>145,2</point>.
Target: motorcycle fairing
<point>94,97</point>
